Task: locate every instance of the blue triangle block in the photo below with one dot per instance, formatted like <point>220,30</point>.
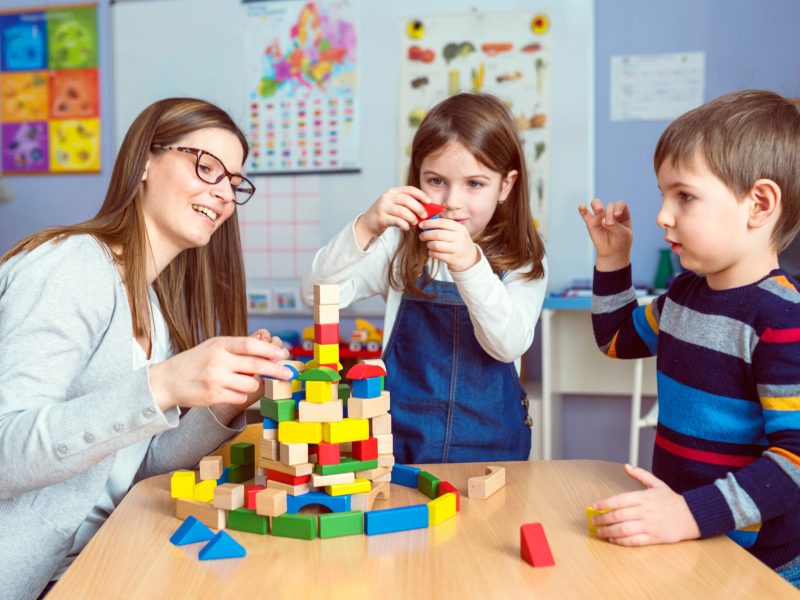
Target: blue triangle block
<point>222,546</point>
<point>191,531</point>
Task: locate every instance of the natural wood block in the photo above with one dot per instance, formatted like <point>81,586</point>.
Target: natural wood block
<point>294,454</point>
<point>229,496</point>
<point>202,511</point>
<point>324,314</point>
<point>211,467</point>
<point>326,293</point>
<point>318,480</point>
<point>325,412</point>
<point>271,502</point>
<point>293,470</point>
<point>277,389</point>
<point>368,408</point>
<point>292,490</point>
<point>385,443</point>
<point>486,485</point>
<point>381,424</point>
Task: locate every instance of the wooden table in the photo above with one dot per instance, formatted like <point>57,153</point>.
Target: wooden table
<point>474,555</point>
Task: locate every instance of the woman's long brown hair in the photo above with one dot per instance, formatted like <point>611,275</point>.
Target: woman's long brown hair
<point>202,291</point>
<point>483,125</point>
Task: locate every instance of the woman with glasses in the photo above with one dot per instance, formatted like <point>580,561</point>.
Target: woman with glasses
<point>107,327</point>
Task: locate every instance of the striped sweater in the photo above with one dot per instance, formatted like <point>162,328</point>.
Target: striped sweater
<point>728,436</point>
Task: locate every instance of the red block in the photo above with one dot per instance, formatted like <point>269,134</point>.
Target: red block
<point>533,546</point>
<point>366,449</point>
<point>447,487</point>
<point>327,333</point>
<point>286,478</point>
<point>328,454</point>
<point>250,492</point>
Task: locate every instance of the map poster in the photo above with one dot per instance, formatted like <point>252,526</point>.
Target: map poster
<point>301,62</point>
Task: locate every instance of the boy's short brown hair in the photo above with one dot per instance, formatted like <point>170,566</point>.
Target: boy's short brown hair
<point>743,136</point>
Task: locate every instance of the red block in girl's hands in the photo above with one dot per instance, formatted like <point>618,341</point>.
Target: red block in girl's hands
<point>431,210</point>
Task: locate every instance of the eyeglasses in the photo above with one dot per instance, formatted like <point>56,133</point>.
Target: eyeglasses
<point>211,170</point>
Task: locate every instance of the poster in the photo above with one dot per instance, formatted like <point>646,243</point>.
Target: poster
<point>49,91</point>
<point>505,54</point>
<point>301,64</point>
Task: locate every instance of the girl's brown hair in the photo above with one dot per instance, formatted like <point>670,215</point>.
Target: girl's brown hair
<point>202,291</point>
<point>483,125</point>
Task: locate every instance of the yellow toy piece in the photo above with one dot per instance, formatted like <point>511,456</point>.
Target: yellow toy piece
<point>204,491</point>
<point>319,391</point>
<point>359,486</point>
<point>346,430</point>
<point>441,509</point>
<point>294,432</point>
<point>181,484</point>
<point>591,512</point>
<point>326,354</point>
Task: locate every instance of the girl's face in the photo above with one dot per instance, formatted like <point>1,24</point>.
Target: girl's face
<point>181,210</point>
<point>468,190</point>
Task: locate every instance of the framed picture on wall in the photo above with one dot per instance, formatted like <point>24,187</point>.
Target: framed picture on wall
<point>286,300</point>
<point>259,301</point>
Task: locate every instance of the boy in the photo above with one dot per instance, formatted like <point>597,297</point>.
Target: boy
<point>727,333</point>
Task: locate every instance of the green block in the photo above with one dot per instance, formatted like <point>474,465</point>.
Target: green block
<point>339,524</point>
<point>344,392</point>
<point>347,465</point>
<point>240,473</point>
<point>243,454</point>
<point>382,382</point>
<point>244,519</point>
<point>301,527</point>
<point>428,484</point>
<point>278,410</point>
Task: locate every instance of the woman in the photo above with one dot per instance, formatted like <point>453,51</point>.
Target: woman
<point>108,326</point>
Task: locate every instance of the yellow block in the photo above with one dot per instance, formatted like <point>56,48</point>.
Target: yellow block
<point>295,432</point>
<point>441,509</point>
<point>591,512</point>
<point>359,486</point>
<point>249,435</point>
<point>204,491</point>
<point>319,391</point>
<point>326,353</point>
<point>346,430</point>
<point>297,385</point>
<point>181,484</point>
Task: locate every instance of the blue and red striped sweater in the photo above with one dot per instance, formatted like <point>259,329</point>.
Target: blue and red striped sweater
<point>728,435</point>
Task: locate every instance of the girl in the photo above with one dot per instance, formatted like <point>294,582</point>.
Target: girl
<point>463,292</point>
<point>90,317</point>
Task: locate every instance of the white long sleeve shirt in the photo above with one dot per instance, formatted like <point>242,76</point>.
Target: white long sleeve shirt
<point>503,312</point>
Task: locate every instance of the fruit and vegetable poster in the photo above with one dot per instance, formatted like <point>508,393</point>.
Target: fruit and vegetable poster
<point>302,78</point>
<point>505,54</point>
<point>49,90</point>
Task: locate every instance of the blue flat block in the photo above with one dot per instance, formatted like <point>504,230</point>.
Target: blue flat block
<point>333,503</point>
<point>402,518</point>
<point>295,374</point>
<point>405,475</point>
<point>367,388</point>
<point>224,477</point>
<point>191,531</point>
<point>270,424</point>
<point>299,395</point>
<point>222,546</point>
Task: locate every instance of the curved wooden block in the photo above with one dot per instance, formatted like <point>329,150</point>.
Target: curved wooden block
<point>484,486</point>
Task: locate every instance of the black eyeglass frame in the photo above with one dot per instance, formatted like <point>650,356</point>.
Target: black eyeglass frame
<point>198,153</point>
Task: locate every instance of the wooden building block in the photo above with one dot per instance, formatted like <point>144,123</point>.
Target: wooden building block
<point>302,527</point>
<point>211,467</point>
<point>326,293</point>
<point>294,470</point>
<point>346,465</point>
<point>592,512</point>
<point>318,480</point>
<point>326,353</point>
<point>243,453</point>
<point>181,484</point>
<point>277,389</point>
<point>428,484</point>
<point>260,477</point>
<point>365,502</point>
<point>346,430</point>
<point>286,478</point>
<point>222,545</point>
<point>295,432</point>
<point>245,519</point>
<point>534,548</point>
<point>271,502</point>
<point>445,487</point>
<point>442,508</point>
<point>229,496</point>
<point>294,454</point>
<point>332,503</point>
<point>202,511</point>
<point>365,449</point>
<point>370,387</point>
<point>204,490</point>
<point>406,475</point>
<point>359,486</point>
<point>191,531</point>
<point>403,518</point>
<point>339,524</point>
<point>385,443</point>
<point>250,492</point>
<point>278,410</point>
<point>270,449</point>
<point>486,485</point>
<point>270,433</point>
<point>241,473</point>
<point>316,412</point>
<point>368,408</point>
<point>320,391</point>
<point>292,490</point>
<point>328,454</point>
<point>375,474</point>
<point>325,314</point>
<point>327,334</point>
<point>380,425</point>
<point>386,460</point>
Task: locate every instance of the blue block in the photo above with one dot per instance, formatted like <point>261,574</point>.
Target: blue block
<point>367,388</point>
<point>332,503</point>
<point>299,395</point>
<point>191,531</point>
<point>224,477</point>
<point>405,475</point>
<point>294,372</point>
<point>270,424</point>
<point>222,546</point>
<point>402,518</point>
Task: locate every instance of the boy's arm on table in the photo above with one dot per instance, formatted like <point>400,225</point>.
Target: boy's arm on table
<point>503,312</point>
<point>359,273</point>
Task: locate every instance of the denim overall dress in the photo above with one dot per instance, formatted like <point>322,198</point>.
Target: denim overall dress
<point>450,400</point>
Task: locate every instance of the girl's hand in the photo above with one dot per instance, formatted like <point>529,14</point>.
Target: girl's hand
<point>397,207</point>
<point>611,233</point>
<point>450,242</point>
<point>222,370</point>
<point>656,515</point>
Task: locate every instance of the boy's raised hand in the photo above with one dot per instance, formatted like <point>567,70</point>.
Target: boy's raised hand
<point>397,207</point>
<point>450,242</point>
<point>611,232</point>
<point>655,515</point>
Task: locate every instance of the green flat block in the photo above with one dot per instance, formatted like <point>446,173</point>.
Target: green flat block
<point>243,454</point>
<point>244,519</point>
<point>278,410</point>
<point>240,473</point>
<point>347,465</point>
<point>428,484</point>
<point>301,527</point>
<point>339,524</point>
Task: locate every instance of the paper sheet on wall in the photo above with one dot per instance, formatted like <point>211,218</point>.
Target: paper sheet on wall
<point>506,54</point>
<point>656,86</point>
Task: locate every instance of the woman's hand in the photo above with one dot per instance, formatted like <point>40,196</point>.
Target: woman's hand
<point>450,242</point>
<point>611,233</point>
<point>397,207</point>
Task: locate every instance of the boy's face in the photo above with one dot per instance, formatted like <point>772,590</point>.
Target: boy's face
<point>705,224</point>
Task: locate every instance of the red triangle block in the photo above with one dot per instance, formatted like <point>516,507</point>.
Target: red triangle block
<point>432,210</point>
<point>533,546</point>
